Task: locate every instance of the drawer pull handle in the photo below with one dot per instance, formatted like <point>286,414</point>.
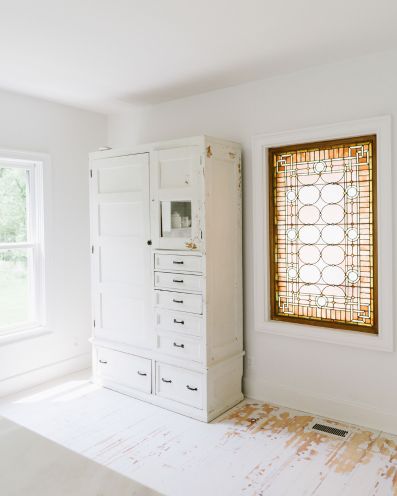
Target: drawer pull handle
<point>177,280</point>
<point>179,345</point>
<point>177,262</point>
<point>142,373</point>
<point>191,389</point>
<point>182,322</point>
<point>168,381</point>
<point>102,361</point>
<point>177,301</point>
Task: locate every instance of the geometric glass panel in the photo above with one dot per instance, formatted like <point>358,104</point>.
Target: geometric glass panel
<point>323,264</point>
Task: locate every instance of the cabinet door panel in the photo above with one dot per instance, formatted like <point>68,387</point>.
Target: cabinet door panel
<point>121,259</point>
<point>176,184</point>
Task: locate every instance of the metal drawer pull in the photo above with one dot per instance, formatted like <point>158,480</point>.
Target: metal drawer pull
<point>142,373</point>
<point>102,361</point>
<point>182,322</point>
<point>177,301</point>
<point>166,380</point>
<point>177,262</point>
<point>177,280</point>
<point>179,345</point>
<point>191,389</point>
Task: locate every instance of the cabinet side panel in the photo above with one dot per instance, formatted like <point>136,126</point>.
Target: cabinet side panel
<point>223,241</point>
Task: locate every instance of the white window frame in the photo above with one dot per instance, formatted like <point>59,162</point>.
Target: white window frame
<point>381,126</point>
<point>38,166</point>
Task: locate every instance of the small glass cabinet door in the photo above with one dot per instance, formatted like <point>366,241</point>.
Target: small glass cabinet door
<point>176,187</point>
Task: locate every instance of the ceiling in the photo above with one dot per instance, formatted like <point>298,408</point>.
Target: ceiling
<point>111,55</point>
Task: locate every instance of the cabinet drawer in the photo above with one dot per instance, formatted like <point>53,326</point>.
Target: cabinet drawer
<point>188,263</point>
<point>180,384</point>
<point>168,320</point>
<point>180,346</point>
<point>125,369</point>
<point>179,301</point>
<point>175,281</point>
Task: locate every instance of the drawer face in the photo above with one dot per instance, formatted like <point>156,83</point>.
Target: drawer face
<point>125,369</point>
<point>187,263</point>
<point>177,282</point>
<point>180,385</point>
<point>183,302</point>
<point>169,320</point>
<point>179,346</point>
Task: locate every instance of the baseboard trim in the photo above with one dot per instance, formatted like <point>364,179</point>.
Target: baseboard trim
<point>336,408</point>
<point>32,378</point>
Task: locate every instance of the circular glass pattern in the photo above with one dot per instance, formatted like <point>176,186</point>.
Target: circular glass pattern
<point>333,255</point>
<point>306,178</point>
<point>292,272</point>
<point>332,193</point>
<point>291,195</point>
<point>332,235</point>
<point>308,195</point>
<point>292,234</point>
<point>333,176</point>
<point>333,275</point>
<point>352,191</point>
<point>321,301</point>
<point>332,214</point>
<point>352,276</point>
<point>309,254</point>
<point>309,214</point>
<point>310,289</point>
<point>352,234</point>
<point>334,292</point>
<point>319,167</point>
<point>309,235</point>
<point>309,274</point>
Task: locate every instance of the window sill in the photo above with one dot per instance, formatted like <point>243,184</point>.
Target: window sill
<point>20,335</point>
<point>381,342</point>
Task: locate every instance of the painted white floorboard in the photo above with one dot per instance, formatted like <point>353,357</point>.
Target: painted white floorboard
<point>255,449</point>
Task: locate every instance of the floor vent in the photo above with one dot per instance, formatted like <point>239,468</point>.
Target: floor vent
<point>330,429</point>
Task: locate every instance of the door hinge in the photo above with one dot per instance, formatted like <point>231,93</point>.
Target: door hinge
<point>92,249</point>
<point>90,172</point>
<point>94,323</point>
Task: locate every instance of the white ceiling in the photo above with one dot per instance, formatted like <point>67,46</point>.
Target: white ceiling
<point>108,55</point>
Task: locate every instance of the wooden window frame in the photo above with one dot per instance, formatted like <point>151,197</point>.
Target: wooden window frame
<point>272,265</point>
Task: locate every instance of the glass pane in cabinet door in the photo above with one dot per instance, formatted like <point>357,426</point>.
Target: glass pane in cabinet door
<point>176,219</point>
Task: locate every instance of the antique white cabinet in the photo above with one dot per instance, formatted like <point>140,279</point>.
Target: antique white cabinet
<point>167,273</point>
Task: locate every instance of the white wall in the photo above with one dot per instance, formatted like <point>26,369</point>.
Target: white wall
<point>352,384</point>
<point>67,135</point>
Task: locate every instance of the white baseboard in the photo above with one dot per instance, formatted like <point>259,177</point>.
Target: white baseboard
<point>38,376</point>
<point>335,408</point>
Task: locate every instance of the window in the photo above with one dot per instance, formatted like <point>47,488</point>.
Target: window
<point>323,233</point>
<point>21,245</point>
<point>381,336</point>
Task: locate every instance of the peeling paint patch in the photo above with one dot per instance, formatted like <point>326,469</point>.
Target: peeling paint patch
<point>191,245</point>
<point>209,151</point>
<point>232,155</point>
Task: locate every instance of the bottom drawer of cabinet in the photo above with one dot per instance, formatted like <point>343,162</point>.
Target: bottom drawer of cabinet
<point>184,386</point>
<point>127,370</point>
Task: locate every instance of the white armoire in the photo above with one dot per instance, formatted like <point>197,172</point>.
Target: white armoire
<point>167,273</point>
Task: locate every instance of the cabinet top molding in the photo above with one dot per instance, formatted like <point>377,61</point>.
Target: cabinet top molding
<point>161,145</point>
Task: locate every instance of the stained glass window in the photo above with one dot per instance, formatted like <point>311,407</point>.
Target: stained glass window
<point>323,234</point>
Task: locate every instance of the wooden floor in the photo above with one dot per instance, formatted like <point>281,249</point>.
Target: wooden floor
<point>255,449</point>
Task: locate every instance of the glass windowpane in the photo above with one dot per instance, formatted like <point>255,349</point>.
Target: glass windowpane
<point>176,219</point>
<point>13,204</point>
<point>15,282</point>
